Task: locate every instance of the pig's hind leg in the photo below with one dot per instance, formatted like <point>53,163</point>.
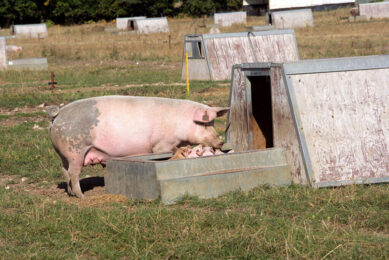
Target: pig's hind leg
<point>71,170</point>
<point>65,168</point>
<point>74,171</point>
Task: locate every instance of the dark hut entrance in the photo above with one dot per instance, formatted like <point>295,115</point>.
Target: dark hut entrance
<point>262,118</point>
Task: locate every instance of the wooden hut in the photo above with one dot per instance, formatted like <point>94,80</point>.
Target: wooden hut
<point>124,23</point>
<point>331,116</point>
<point>228,19</point>
<point>211,56</point>
<point>150,25</point>
<point>374,10</point>
<point>290,18</point>
<point>30,30</point>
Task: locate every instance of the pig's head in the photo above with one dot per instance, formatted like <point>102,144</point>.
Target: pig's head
<point>204,132</point>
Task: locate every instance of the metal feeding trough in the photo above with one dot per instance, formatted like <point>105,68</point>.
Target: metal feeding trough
<point>151,176</point>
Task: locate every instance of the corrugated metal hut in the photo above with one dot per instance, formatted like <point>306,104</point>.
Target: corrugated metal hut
<point>211,56</point>
<point>374,10</point>
<point>290,18</point>
<point>228,19</point>
<point>30,30</point>
<point>19,64</point>
<point>123,23</point>
<point>331,116</point>
<point>150,25</point>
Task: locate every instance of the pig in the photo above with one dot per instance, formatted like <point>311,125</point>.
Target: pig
<point>196,151</point>
<point>90,131</point>
<point>14,48</point>
<point>181,153</point>
<point>208,151</point>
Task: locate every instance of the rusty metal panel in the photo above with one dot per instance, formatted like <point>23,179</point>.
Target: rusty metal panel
<point>228,19</point>
<point>31,30</point>
<point>292,18</point>
<point>151,25</point>
<point>374,10</point>
<point>341,109</point>
<point>3,54</point>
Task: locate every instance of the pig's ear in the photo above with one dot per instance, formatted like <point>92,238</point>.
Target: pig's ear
<point>205,115</point>
<point>221,111</point>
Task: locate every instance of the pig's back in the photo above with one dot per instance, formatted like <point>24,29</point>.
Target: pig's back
<point>131,125</point>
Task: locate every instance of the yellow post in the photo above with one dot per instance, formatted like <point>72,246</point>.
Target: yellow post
<point>59,29</point>
<point>187,74</point>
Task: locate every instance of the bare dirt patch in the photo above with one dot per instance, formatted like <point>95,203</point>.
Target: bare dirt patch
<point>13,121</point>
<point>93,188</point>
<point>13,111</point>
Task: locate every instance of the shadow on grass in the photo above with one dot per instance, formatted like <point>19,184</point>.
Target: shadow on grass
<point>86,184</point>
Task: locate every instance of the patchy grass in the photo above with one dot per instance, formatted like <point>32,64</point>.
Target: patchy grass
<point>293,222</point>
<point>38,220</point>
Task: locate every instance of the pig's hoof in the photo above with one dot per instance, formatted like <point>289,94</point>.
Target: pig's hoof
<point>79,195</point>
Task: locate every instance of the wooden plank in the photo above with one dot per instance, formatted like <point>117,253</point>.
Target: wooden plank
<point>151,25</point>
<point>283,127</point>
<point>3,54</point>
<point>237,133</point>
<point>31,30</point>
<point>345,119</point>
<point>292,18</point>
<point>275,48</point>
<point>374,10</point>
<point>228,19</point>
<point>223,53</point>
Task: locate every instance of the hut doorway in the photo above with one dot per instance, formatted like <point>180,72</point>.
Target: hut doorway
<point>262,115</point>
<point>131,25</point>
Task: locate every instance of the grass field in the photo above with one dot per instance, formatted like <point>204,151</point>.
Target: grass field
<point>38,220</point>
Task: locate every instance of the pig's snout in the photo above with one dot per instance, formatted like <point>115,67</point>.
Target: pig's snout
<point>215,143</point>
<point>218,144</point>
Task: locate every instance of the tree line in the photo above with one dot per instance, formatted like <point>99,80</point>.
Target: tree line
<point>82,11</point>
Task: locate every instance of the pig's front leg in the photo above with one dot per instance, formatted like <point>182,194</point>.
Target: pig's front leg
<point>164,147</point>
